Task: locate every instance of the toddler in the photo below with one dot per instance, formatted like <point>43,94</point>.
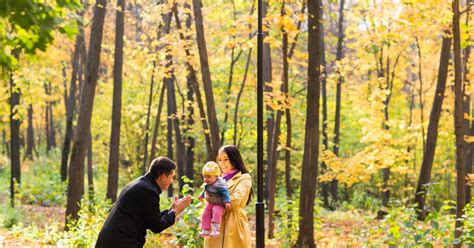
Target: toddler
<point>217,196</point>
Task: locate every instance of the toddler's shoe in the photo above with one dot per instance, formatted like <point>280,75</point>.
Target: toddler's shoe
<point>204,233</point>
<point>215,229</point>
<point>215,233</point>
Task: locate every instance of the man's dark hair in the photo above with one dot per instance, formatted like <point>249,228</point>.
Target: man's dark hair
<point>160,166</point>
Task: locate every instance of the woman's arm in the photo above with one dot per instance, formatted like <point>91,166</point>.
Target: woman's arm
<point>241,192</point>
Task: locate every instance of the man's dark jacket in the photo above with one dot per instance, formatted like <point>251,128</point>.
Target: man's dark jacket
<point>137,209</point>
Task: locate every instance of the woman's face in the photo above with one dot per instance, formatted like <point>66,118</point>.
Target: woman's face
<point>224,162</point>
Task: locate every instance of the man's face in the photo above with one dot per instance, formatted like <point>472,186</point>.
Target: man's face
<point>166,180</point>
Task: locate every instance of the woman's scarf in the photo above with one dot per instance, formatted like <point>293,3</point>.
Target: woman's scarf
<point>230,174</point>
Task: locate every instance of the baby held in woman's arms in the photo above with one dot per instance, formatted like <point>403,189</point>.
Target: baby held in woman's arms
<point>217,197</point>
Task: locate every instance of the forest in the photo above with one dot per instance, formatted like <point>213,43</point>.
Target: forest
<point>368,122</point>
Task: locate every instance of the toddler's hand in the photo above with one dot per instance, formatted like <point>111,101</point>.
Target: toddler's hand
<point>227,205</point>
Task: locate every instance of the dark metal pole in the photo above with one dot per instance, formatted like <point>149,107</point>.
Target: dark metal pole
<point>260,205</point>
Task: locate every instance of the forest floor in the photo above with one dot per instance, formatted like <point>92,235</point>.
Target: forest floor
<point>341,229</point>
<point>38,216</point>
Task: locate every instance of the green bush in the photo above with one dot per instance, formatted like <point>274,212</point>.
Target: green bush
<point>10,216</point>
<point>42,184</point>
<point>401,228</point>
<point>187,229</point>
<point>467,236</point>
<point>286,223</point>
<point>83,233</point>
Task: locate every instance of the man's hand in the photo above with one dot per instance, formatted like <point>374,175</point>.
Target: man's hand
<point>180,204</point>
<point>227,205</point>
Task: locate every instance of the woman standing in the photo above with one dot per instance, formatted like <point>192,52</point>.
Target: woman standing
<point>235,230</point>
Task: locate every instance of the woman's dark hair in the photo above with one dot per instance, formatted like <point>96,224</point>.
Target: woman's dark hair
<point>160,166</point>
<point>236,160</point>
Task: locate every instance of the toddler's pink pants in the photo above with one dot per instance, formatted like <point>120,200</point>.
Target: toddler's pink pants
<point>212,213</point>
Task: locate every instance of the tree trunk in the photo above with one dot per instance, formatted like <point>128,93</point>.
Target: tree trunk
<point>239,95</point>
<point>273,155</point>
<point>169,137</point>
<point>206,77</point>
<point>6,149</point>
<point>324,185</point>
<point>469,159</point>
<point>52,130</point>
<point>147,124</point>
<point>114,149</point>
<point>46,117</point>
<point>191,81</point>
<point>71,102</point>
<point>192,75</point>
<point>389,74</point>
<point>289,189</point>
<point>409,147</point>
<point>337,120</point>
<point>272,174</point>
<point>30,136</point>
<point>422,103</point>
<point>311,147</point>
<point>90,171</point>
<point>190,125</point>
<point>180,151</point>
<point>15,122</point>
<point>157,124</point>
<point>76,169</point>
<point>468,110</point>
<point>459,128</point>
<point>233,61</point>
<point>432,136</point>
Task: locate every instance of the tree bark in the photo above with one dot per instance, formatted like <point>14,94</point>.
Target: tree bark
<point>468,110</point>
<point>311,147</point>
<point>15,122</point>
<point>46,117</point>
<point>157,124</point>
<point>169,80</point>
<point>174,117</point>
<point>192,75</point>
<point>233,61</point>
<point>30,136</point>
<point>459,128</point>
<point>324,185</point>
<point>90,171</point>
<point>190,125</point>
<point>239,95</point>
<point>71,102</point>
<point>337,120</point>
<point>206,78</point>
<point>389,73</point>
<point>432,136</point>
<point>6,149</point>
<point>169,136</point>
<point>273,155</point>
<point>76,169</point>
<point>420,94</point>
<point>191,81</point>
<point>114,149</point>
<point>52,130</point>
<point>147,124</point>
